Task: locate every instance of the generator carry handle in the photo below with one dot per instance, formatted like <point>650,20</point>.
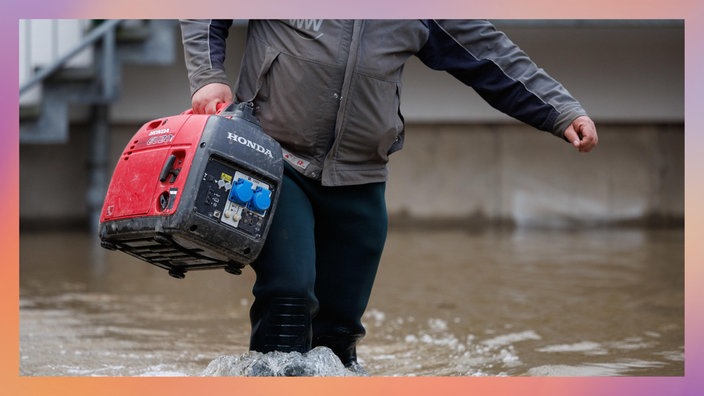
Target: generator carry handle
<point>218,108</point>
<point>229,109</point>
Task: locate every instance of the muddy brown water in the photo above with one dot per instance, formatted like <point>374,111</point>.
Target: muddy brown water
<point>446,303</point>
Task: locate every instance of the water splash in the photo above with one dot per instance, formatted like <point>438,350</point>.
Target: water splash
<point>319,362</point>
<point>598,369</point>
<point>438,340</point>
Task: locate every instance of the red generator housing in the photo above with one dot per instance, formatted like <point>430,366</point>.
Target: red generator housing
<point>194,192</point>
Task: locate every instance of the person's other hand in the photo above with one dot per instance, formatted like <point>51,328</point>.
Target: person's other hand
<point>207,98</point>
<point>582,134</point>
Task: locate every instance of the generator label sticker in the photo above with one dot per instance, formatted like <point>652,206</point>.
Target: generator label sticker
<point>224,176</point>
<point>295,161</point>
<point>159,131</point>
<point>173,192</point>
<point>160,139</point>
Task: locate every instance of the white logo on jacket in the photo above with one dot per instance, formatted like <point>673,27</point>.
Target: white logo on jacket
<point>312,26</point>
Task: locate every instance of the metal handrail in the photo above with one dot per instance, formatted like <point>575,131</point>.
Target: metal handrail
<point>105,29</point>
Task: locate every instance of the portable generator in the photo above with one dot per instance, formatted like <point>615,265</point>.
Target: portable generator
<point>194,191</point>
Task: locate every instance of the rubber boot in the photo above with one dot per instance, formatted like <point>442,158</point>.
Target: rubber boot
<point>345,347</point>
<point>285,326</point>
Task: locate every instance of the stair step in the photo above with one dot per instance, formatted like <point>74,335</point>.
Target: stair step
<point>137,42</point>
<point>74,74</point>
<point>30,112</point>
<point>131,33</point>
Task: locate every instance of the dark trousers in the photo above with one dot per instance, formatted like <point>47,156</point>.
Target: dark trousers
<point>316,270</point>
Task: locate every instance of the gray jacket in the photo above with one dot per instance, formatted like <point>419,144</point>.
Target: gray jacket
<point>329,90</point>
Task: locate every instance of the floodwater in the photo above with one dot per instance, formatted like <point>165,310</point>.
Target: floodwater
<point>606,302</point>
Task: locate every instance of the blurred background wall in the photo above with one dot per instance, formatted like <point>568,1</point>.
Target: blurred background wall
<point>463,163</point>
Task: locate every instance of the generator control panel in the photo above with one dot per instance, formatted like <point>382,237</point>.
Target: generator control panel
<point>233,197</point>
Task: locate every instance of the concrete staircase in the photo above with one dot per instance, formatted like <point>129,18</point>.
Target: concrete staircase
<point>86,74</point>
<point>58,79</point>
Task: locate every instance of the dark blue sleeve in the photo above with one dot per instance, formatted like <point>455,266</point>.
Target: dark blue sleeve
<point>472,51</point>
<point>204,43</point>
<point>217,40</point>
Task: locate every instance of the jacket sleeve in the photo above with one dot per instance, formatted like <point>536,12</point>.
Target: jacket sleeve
<point>484,58</point>
<point>204,43</point>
